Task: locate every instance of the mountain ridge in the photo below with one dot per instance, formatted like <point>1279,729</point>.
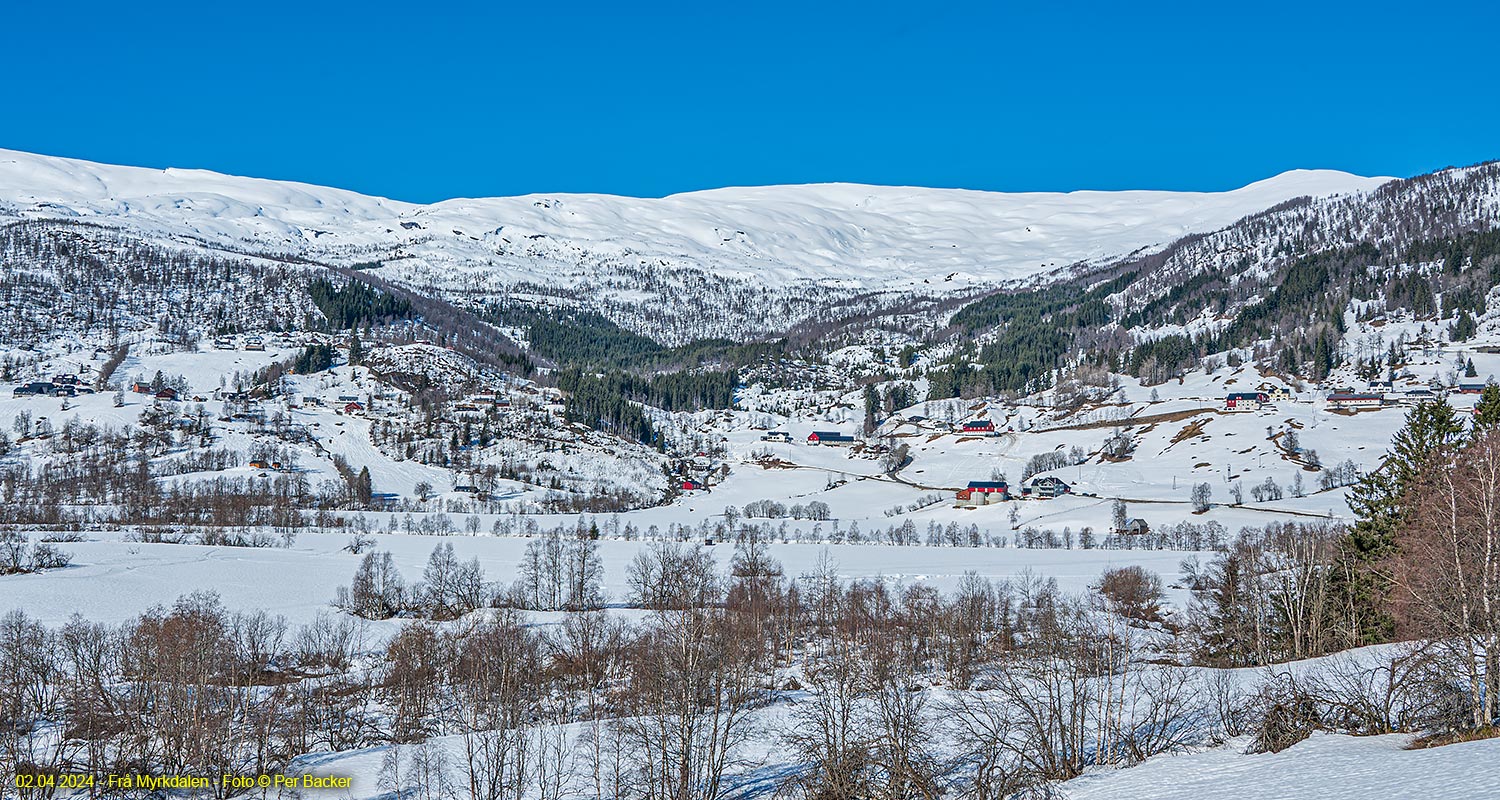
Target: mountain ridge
<point>863,236</point>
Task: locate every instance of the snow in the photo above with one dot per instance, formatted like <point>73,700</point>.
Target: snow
<point>838,235</point>
<point>848,234</point>
<point>1324,767</point>
<point>114,580</point>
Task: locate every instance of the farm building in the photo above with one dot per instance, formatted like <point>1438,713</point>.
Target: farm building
<point>1135,526</point>
<point>982,492</point>
<point>1470,387</point>
<point>980,426</point>
<point>776,436</point>
<point>691,485</point>
<point>1354,401</point>
<point>44,388</point>
<point>1245,401</point>
<point>829,438</point>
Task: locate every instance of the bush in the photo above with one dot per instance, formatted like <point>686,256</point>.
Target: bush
<point>1133,592</point>
<point>18,555</point>
<point>1286,722</point>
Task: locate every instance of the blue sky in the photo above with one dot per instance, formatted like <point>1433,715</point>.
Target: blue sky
<point>423,101</point>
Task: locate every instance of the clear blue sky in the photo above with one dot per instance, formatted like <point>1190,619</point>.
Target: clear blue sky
<point>427,100</point>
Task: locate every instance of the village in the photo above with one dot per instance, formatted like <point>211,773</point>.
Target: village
<point>438,432</point>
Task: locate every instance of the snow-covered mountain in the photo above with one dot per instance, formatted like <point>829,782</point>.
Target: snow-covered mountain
<point>861,237</point>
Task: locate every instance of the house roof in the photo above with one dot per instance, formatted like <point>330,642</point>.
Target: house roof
<point>987,484</point>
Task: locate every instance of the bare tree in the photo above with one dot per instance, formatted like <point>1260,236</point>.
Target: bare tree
<point>1447,567</point>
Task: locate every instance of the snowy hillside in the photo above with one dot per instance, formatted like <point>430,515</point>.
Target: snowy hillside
<point>1084,538</point>
<point>864,236</point>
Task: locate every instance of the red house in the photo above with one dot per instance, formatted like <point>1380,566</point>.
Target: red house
<point>979,426</point>
<point>353,408</point>
<point>691,485</point>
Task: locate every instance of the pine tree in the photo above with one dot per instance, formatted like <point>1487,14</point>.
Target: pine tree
<point>1487,410</point>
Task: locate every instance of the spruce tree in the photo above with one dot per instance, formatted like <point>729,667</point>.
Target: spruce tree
<point>1487,410</point>
<point>1378,501</point>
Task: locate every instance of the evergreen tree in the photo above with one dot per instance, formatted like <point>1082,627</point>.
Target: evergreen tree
<point>1463,328</point>
<point>364,490</point>
<point>313,358</point>
<point>1378,501</point>
<point>1487,410</point>
<point>356,348</point>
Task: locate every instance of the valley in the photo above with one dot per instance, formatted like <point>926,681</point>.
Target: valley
<point>1057,495</point>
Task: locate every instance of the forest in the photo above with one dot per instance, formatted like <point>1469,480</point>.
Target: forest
<point>355,303</point>
<point>613,401</point>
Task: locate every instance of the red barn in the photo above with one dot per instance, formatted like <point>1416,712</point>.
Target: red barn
<point>691,485</point>
<point>1243,400</point>
<point>979,426</point>
<point>985,491</point>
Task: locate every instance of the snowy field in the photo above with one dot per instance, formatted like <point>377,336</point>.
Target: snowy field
<point>113,581</point>
<point>1324,767</point>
